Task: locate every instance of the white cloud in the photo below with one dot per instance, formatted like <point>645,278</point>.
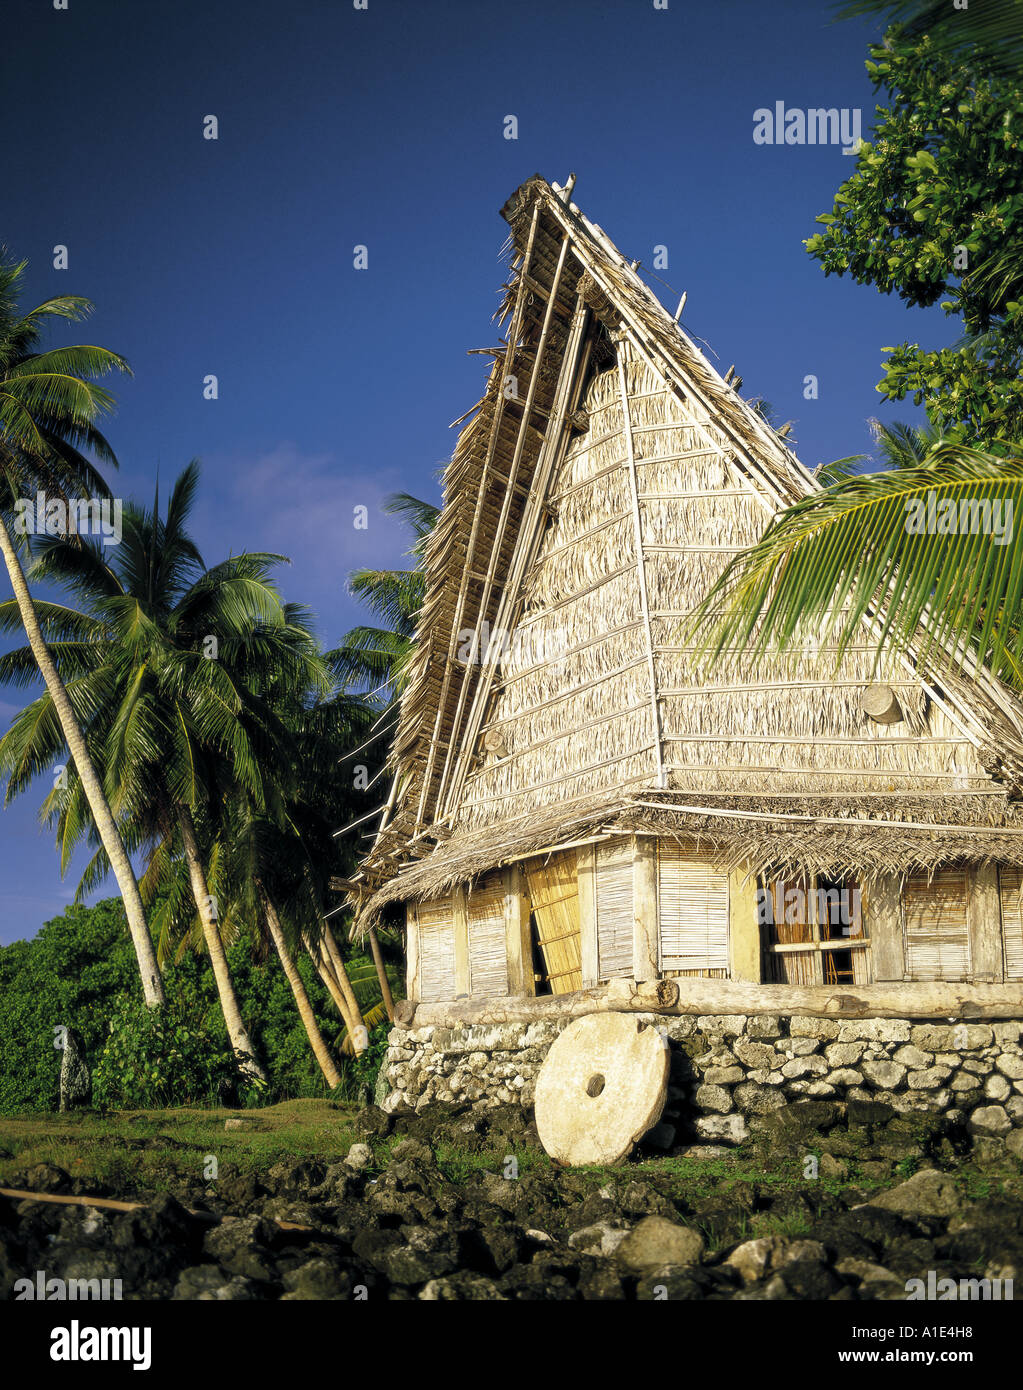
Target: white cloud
<point>302,505</point>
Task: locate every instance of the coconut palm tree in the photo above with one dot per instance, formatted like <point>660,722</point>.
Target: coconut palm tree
<point>246,881</point>
<point>170,673</point>
<point>49,403</point>
<point>379,656</point>
<point>272,871</point>
<point>279,865</point>
<point>904,446</point>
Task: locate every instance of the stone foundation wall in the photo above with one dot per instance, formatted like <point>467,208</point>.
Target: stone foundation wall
<point>729,1070</point>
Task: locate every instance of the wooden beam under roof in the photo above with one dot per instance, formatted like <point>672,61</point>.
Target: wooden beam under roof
<point>513,337</point>
<point>566,399</point>
<point>451,768</point>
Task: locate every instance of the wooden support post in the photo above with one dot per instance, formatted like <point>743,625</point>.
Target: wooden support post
<point>883,917</point>
<point>644,603</point>
<point>646,943</point>
<point>743,927</point>
<point>916,999</point>
<point>518,942</point>
<point>411,955</point>
<point>587,878</point>
<point>986,925</point>
<point>460,919</point>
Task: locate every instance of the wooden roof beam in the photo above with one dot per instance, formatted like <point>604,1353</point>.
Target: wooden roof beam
<point>495,428</point>
<point>454,760</point>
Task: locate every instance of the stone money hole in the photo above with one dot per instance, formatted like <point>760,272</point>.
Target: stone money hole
<point>595,1085</point>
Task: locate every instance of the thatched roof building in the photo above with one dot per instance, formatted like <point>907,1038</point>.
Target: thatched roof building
<point>559,744</point>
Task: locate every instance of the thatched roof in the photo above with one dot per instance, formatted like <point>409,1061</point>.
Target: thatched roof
<point>602,482</point>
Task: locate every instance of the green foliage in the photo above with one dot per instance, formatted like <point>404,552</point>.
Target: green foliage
<point>380,656</point>
<point>167,718</point>
<point>157,1057</point>
<point>80,971</point>
<point>993,28</point>
<point>49,401</point>
<point>268,1008</point>
<point>68,975</point>
<point>933,212</point>
<point>935,208</point>
<point>360,1073</point>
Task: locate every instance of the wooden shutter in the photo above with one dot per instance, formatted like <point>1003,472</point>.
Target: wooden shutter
<point>614,909</point>
<point>692,911</point>
<point>485,922</point>
<point>937,926</point>
<point>435,925</point>
<point>1010,882</point>
<point>554,895</point>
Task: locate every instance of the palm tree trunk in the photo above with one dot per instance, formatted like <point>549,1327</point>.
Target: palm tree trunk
<point>359,1035</point>
<point>320,1050</point>
<point>385,984</point>
<point>110,836</point>
<point>325,970</point>
<point>236,1030</point>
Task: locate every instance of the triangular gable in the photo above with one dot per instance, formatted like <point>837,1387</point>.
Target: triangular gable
<point>572,286</point>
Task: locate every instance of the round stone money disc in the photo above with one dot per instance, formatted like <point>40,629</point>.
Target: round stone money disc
<point>602,1085</point>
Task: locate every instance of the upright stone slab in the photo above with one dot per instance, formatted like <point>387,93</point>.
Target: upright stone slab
<point>75,1083</point>
<point>602,1085</point>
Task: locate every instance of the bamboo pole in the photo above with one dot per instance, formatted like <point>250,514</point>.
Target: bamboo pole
<point>637,525</point>
<point>112,1204</point>
<point>454,767</point>
<point>495,426</point>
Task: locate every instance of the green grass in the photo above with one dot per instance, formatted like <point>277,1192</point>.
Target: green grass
<point>153,1150</point>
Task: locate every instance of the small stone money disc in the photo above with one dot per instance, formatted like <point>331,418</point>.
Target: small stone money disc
<point>602,1085</point>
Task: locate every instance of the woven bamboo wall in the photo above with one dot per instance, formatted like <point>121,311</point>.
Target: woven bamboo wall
<point>692,910</point>
<point>434,923</point>
<point>485,925</point>
<point>937,926</point>
<point>1010,885</point>
<point>613,881</point>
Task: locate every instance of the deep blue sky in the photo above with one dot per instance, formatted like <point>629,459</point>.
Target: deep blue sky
<point>385,127</point>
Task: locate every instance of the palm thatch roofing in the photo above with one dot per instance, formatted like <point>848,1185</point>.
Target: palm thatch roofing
<point>597,490</point>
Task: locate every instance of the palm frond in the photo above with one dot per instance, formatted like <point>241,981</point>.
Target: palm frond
<point>932,552</point>
<point>990,29</point>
